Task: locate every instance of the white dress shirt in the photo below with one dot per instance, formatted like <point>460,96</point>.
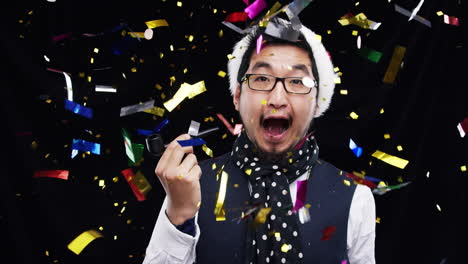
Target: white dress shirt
<point>169,245</point>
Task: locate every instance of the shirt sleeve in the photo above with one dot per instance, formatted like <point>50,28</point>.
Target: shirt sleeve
<point>170,245</point>
<point>361,227</point>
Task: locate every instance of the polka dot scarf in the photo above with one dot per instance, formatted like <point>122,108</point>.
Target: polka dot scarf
<point>277,240</point>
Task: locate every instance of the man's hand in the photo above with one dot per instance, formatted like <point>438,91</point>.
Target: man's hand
<point>180,177</point>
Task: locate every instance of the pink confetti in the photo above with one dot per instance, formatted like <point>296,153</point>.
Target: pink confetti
<point>237,129</point>
<point>255,8</point>
<point>59,174</point>
<point>246,2</point>
<point>344,261</point>
<point>234,131</point>
<point>61,37</point>
<point>301,195</point>
<point>451,20</point>
<point>259,43</point>
<point>463,127</point>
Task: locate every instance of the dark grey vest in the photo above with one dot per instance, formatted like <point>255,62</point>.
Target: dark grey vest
<point>224,242</point>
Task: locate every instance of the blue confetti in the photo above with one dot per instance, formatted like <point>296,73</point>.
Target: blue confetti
<point>191,142</point>
<point>161,125</point>
<point>83,145</point>
<point>356,150</point>
<point>78,109</point>
<point>144,132</point>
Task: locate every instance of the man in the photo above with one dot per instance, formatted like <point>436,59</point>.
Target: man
<point>274,200</point>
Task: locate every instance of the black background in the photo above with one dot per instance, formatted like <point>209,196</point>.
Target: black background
<point>421,111</point>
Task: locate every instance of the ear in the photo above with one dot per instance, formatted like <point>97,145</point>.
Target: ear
<point>236,97</point>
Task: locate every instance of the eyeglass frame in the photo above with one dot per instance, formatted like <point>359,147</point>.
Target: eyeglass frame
<point>282,79</point>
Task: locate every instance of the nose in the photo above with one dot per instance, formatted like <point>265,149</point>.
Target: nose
<point>278,97</point>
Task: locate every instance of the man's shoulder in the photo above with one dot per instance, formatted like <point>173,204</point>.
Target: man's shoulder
<point>323,165</point>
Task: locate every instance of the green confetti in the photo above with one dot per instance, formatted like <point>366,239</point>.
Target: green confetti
<point>370,54</point>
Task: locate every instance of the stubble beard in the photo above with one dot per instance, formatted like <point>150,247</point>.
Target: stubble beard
<point>274,157</point>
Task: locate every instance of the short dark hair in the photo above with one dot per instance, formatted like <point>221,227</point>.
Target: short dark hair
<point>270,40</point>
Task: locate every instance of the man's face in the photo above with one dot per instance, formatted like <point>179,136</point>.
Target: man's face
<point>275,121</point>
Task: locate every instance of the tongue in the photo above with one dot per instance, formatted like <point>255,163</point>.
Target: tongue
<point>275,130</point>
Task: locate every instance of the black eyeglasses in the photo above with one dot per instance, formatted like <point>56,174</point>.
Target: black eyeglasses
<point>294,85</point>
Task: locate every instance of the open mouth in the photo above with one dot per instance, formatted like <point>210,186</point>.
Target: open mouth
<point>276,126</point>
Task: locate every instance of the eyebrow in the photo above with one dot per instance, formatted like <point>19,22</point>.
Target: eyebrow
<point>262,64</point>
<point>301,67</point>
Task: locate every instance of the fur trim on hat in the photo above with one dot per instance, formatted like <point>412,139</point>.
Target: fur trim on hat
<point>323,63</point>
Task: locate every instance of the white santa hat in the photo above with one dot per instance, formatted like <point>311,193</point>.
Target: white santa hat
<point>324,66</point>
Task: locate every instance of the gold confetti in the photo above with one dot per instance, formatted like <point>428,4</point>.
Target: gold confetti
<point>34,145</point>
<point>230,56</point>
<point>179,4</point>
<point>136,34</point>
<point>219,209</point>
<point>329,32</point>
<point>101,183</point>
<point>142,184</point>
<point>221,74</point>
<point>185,70</point>
<point>355,33</point>
<point>377,220</point>
<point>89,78</point>
<point>198,204</point>
<point>81,241</point>
<point>236,185</point>
<point>344,92</point>
<point>156,23</point>
<point>248,171</point>
<point>273,111</point>
<point>224,136</point>
<point>353,115</point>
<point>261,216</point>
<point>209,119</point>
<point>263,102</point>
<point>190,38</point>
<point>347,182</point>
<point>440,13</point>
<point>399,147</point>
<point>386,136</point>
<point>463,168</point>
<point>213,166</point>
<point>394,65</point>
<point>220,33</point>
<point>390,159</point>
<point>185,90</point>
<point>92,60</point>
<point>207,150</point>
<point>285,248</point>
<point>277,234</point>
<point>382,110</point>
<point>155,111</point>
